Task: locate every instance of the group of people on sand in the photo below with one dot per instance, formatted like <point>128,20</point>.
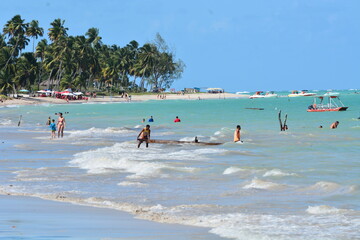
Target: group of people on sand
<point>60,126</point>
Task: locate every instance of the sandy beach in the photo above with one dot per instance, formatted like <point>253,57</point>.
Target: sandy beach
<point>100,99</point>
<point>33,218</point>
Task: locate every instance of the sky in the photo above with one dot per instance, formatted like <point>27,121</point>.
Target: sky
<point>232,44</point>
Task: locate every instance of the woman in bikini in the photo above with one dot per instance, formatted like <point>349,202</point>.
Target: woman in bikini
<point>61,125</point>
<point>144,136</point>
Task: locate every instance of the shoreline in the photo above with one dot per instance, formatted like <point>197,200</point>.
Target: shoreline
<point>115,99</point>
<point>25,217</point>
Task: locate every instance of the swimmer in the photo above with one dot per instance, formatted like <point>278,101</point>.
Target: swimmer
<point>177,119</point>
<point>334,125</point>
<point>144,136</point>
<point>237,134</point>
<point>151,119</point>
<point>61,125</point>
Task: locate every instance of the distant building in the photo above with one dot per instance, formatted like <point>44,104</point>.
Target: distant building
<point>191,90</point>
<point>215,90</point>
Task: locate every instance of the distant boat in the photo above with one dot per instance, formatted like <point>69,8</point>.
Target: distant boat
<point>258,94</point>
<point>332,94</point>
<point>303,93</point>
<point>333,104</point>
<point>243,92</point>
<point>270,94</point>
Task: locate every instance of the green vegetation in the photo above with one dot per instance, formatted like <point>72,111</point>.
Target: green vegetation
<point>81,62</point>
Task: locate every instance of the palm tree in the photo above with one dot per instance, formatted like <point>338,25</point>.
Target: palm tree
<point>34,31</point>
<point>57,31</point>
<point>16,29</point>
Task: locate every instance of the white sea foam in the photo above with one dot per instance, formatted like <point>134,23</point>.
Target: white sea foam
<point>99,132</point>
<point>324,209</point>
<point>260,184</point>
<point>232,170</point>
<point>277,173</point>
<point>135,184</point>
<point>125,157</point>
<point>5,122</point>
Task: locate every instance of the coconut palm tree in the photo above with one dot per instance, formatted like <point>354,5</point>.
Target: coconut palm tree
<point>34,31</point>
<point>15,29</point>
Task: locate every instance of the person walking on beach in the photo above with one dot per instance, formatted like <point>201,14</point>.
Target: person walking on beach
<point>144,136</point>
<point>61,125</point>
<point>334,125</point>
<point>237,133</point>
<point>53,129</point>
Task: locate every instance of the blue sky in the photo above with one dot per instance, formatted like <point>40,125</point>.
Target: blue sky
<point>234,44</point>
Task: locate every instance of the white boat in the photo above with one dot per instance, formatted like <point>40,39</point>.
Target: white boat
<point>331,94</point>
<point>258,94</point>
<point>270,94</point>
<point>303,93</point>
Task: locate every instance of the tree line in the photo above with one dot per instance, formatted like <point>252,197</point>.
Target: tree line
<point>81,62</point>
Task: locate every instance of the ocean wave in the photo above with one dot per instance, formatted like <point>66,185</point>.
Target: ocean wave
<point>278,173</point>
<point>99,132</point>
<point>260,184</point>
<point>324,209</point>
<point>236,225</point>
<point>135,184</point>
<point>5,122</point>
<point>140,162</point>
<point>232,170</point>
<point>324,187</point>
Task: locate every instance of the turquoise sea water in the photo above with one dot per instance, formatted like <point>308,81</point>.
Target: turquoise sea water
<point>299,184</point>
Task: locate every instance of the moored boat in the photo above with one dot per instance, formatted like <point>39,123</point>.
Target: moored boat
<point>258,94</point>
<point>270,94</point>
<point>303,93</point>
<point>333,104</point>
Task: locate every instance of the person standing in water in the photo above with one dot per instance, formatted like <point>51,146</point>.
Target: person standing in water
<point>237,134</point>
<point>61,125</point>
<point>144,136</point>
<point>53,129</point>
<point>48,122</point>
<point>334,125</point>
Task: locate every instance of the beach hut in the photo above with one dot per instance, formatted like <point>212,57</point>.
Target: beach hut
<point>215,90</point>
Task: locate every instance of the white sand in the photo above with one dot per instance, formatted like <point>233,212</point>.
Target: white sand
<point>99,99</point>
<point>33,218</point>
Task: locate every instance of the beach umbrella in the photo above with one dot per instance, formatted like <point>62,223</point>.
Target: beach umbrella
<point>24,91</point>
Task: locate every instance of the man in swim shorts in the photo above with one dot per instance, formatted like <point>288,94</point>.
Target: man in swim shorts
<point>144,136</point>
<point>237,133</point>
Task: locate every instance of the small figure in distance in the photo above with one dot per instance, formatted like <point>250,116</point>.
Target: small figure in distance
<point>48,122</point>
<point>144,136</point>
<point>61,125</point>
<point>177,119</point>
<point>143,120</point>
<point>334,125</point>
<point>53,129</point>
<point>151,119</point>
<point>196,140</point>
<point>320,126</point>
<point>237,134</point>
<point>285,127</point>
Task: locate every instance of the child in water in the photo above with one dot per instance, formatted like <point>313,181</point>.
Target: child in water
<point>53,129</point>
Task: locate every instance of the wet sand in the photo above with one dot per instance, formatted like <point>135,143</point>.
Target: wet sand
<point>34,218</point>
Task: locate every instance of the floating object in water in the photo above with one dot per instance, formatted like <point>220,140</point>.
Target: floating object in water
<point>255,108</point>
